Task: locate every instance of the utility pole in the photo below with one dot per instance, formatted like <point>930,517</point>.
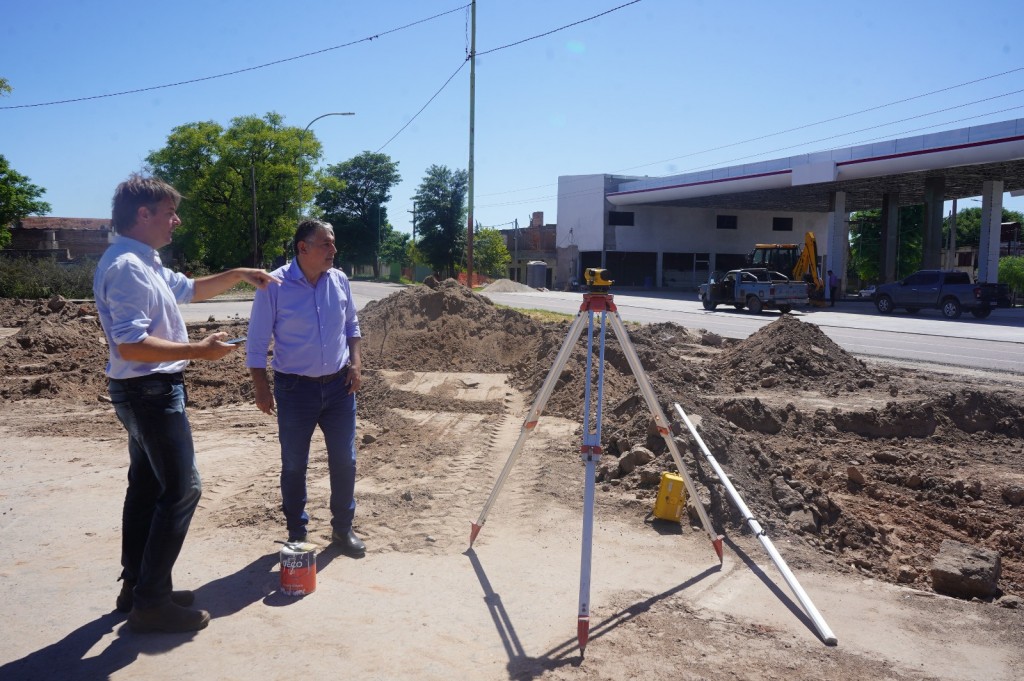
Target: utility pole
<point>515,236</point>
<point>413,211</point>
<point>472,124</point>
<point>255,220</point>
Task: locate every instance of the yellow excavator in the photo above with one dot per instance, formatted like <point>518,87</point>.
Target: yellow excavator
<point>802,263</point>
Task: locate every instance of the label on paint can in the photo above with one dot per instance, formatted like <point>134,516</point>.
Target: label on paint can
<point>298,569</point>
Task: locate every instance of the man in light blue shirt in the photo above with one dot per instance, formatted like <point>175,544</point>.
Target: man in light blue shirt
<point>137,299</point>
<point>312,321</point>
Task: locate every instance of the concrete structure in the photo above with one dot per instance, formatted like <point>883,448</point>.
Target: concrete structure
<point>62,238</point>
<point>533,243</point>
<point>672,231</point>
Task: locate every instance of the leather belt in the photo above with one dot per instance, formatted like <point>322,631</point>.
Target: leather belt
<point>316,379</point>
<point>177,377</point>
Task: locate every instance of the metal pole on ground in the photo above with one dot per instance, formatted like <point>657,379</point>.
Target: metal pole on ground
<point>819,622</point>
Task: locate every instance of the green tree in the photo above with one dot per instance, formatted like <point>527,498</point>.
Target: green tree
<point>866,243</point>
<point>352,200</point>
<point>216,169</point>
<point>5,87</point>
<point>490,255</point>
<point>18,198</point>
<point>1011,272</point>
<point>968,225</point>
<point>440,217</point>
<point>395,248</point>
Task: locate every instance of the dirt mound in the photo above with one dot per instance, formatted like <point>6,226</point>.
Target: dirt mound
<point>59,351</point>
<point>448,328</point>
<point>791,352</point>
<point>507,286</point>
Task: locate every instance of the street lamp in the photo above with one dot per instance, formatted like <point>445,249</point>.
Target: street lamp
<point>302,173</point>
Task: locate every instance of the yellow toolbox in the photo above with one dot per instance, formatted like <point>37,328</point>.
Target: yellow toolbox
<point>671,498</point>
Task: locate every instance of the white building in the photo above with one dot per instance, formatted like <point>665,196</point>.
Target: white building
<point>673,231</point>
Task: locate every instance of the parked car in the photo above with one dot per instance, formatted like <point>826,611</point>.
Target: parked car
<point>950,291</point>
<point>867,292</point>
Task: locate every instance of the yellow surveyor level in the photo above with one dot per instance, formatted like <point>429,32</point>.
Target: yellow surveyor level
<point>671,498</point>
<point>597,279</point>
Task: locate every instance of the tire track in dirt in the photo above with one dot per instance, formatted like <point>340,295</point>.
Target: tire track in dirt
<point>236,493</point>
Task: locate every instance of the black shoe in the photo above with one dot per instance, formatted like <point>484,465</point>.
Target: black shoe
<point>126,598</point>
<point>349,543</point>
<point>168,618</point>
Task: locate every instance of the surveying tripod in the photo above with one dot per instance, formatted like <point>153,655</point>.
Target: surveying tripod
<point>596,302</point>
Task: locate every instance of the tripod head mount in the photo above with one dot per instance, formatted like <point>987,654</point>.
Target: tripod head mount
<point>597,280</point>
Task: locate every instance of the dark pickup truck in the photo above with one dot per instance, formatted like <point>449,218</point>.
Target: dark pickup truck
<point>949,291</point>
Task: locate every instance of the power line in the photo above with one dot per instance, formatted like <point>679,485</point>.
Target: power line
<point>863,141</point>
<point>556,30</point>
<point>794,129</point>
<point>518,42</point>
<point>409,122</point>
<point>236,72</point>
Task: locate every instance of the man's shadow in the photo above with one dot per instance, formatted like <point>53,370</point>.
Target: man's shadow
<point>65,660</point>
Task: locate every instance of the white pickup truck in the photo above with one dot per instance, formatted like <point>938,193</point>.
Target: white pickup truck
<point>753,288</point>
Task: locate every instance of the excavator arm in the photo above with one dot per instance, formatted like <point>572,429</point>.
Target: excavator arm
<point>806,269</point>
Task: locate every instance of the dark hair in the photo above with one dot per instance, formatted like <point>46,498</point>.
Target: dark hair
<point>135,192</point>
<point>306,229</point>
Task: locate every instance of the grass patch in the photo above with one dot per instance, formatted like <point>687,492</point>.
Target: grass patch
<point>540,315</point>
<point>42,278</point>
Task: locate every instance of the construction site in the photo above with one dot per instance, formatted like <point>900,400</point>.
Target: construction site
<point>859,470</point>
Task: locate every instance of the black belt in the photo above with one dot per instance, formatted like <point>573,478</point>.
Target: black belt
<point>176,377</point>
<point>316,379</point>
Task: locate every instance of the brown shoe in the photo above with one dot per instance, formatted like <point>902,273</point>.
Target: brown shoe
<point>169,618</point>
<point>126,599</point>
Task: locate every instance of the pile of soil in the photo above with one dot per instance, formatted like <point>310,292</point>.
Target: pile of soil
<point>871,466</point>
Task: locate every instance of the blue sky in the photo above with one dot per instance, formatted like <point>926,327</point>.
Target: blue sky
<point>655,88</point>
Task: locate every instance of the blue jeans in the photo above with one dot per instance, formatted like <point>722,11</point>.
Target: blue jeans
<point>163,482</point>
<point>302,405</point>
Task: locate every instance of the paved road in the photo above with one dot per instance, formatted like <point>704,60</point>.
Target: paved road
<point>996,343</point>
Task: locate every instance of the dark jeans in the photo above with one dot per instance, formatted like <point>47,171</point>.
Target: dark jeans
<point>302,405</point>
<point>163,482</point>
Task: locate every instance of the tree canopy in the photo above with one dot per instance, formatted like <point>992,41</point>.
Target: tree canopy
<point>866,242</point>
<point>968,225</point>
<point>18,198</point>
<point>232,178</point>
<point>352,200</point>
<point>866,238</point>
<point>490,255</point>
<point>440,217</point>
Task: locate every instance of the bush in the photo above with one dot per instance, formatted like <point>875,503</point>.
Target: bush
<point>43,277</point>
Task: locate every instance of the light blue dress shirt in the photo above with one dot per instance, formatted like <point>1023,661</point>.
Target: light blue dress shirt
<point>137,297</point>
<point>310,325</point>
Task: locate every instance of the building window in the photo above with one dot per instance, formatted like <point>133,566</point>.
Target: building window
<point>726,222</point>
<point>782,224</point>
<point>620,218</point>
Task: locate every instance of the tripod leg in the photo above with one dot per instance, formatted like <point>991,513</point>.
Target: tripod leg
<point>532,417</point>
<point>591,452</point>
<point>662,424</point>
<point>583,619</point>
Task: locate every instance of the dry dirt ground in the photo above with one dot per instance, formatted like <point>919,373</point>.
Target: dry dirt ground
<point>856,471</point>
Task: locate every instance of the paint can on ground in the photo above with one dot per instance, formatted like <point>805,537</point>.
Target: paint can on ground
<point>298,569</point>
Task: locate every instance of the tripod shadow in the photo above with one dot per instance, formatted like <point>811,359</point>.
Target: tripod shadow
<point>522,666</point>
<point>783,597</point>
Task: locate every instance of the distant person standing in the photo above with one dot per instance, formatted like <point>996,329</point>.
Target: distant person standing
<point>137,299</point>
<point>317,366</point>
<point>833,288</point>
